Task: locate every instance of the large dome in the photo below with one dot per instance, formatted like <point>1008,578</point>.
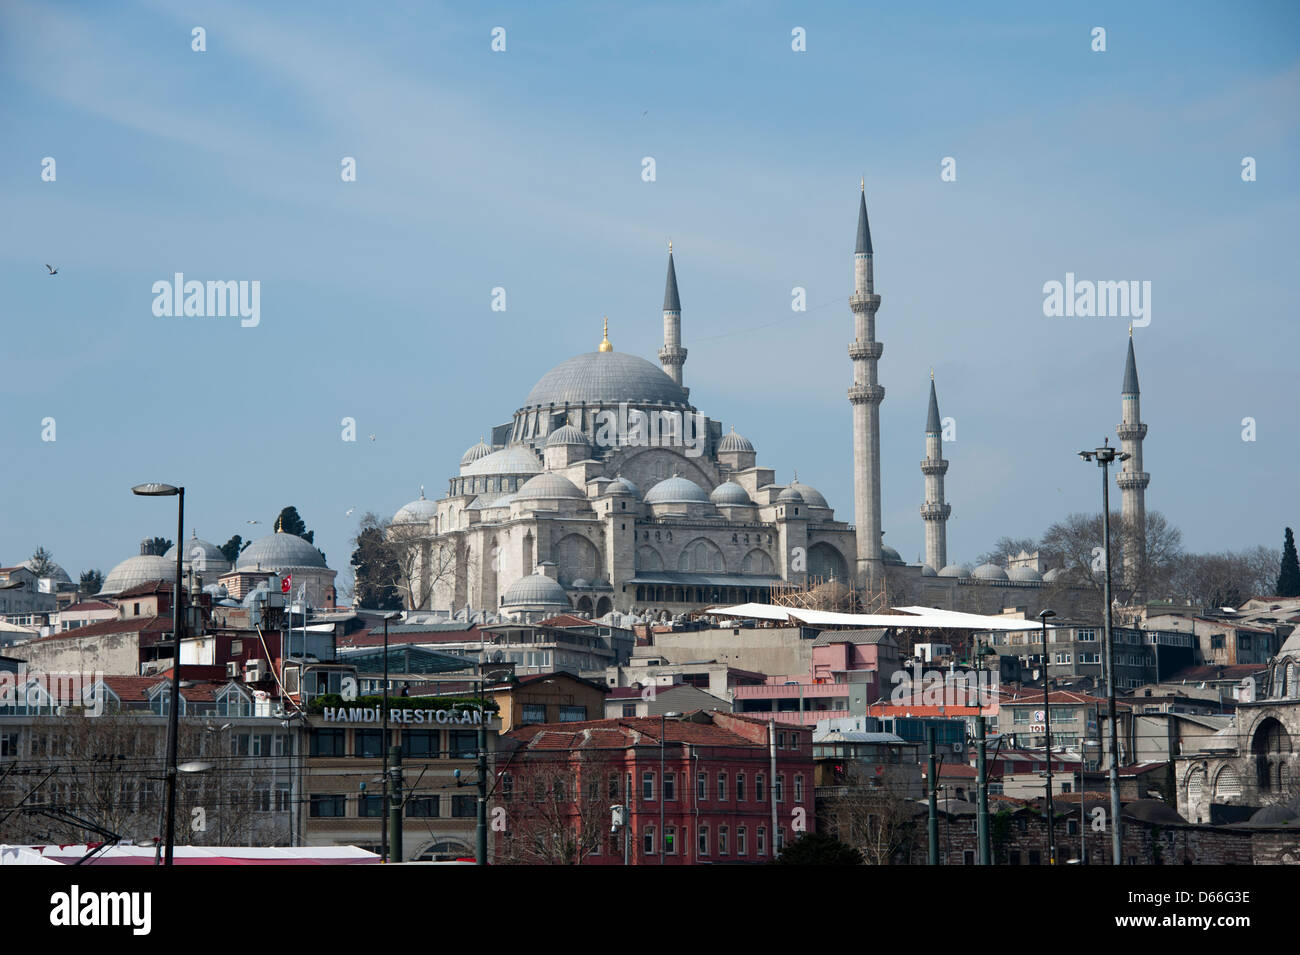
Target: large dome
<point>605,378</point>
<point>279,551</point>
<point>548,487</point>
<point>535,590</point>
<point>677,490</point>
<point>989,572</point>
<point>515,459</point>
<point>419,511</point>
<point>211,560</point>
<point>138,570</point>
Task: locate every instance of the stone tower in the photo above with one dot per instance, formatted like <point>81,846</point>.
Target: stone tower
<point>934,511</point>
<point>1132,480</point>
<point>672,356</point>
<point>865,397</point>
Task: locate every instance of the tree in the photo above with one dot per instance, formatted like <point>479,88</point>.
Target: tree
<point>876,820</point>
<point>1004,548</point>
<point>42,563</point>
<point>375,571</point>
<point>291,523</point>
<point>815,848</point>
<point>231,548</point>
<point>157,546</point>
<point>1288,578</point>
<point>92,582</point>
<point>1076,544</point>
<point>1224,580</point>
<point>556,807</point>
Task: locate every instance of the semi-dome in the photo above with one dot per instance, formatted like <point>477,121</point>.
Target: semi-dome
<point>1053,574</point>
<point>677,490</point>
<point>928,571</point>
<point>568,435</point>
<point>138,570</point>
<point>548,487</point>
<point>55,572</point>
<point>790,495</point>
<point>621,485</point>
<point>989,572</point>
<point>730,494</point>
<point>734,442</point>
<point>211,559</point>
<point>955,570</point>
<point>605,378</point>
<point>812,497</point>
<point>1023,573</point>
<point>419,511</point>
<point>535,590</point>
<point>890,556</point>
<point>279,551</point>
<point>480,450</point>
<point>515,459</point>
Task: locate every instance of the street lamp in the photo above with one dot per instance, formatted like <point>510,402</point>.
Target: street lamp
<point>384,822</point>
<point>1104,456</point>
<point>663,724</point>
<point>167,490</point>
<point>1047,743</point>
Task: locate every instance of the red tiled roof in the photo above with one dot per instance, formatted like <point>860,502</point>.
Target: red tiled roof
<point>148,588</point>
<point>566,620</point>
<point>1197,674</point>
<point>152,624</point>
<point>88,605</point>
<point>620,733</point>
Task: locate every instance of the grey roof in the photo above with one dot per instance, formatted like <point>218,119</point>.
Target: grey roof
<point>621,485</point>
<point>891,556</point>
<point>864,227</point>
<point>790,495</point>
<point>211,559</point>
<point>535,590</point>
<point>515,459</point>
<point>731,494</point>
<point>548,487</point>
<point>279,551</point>
<point>419,511</point>
<point>677,490</point>
<point>734,442</point>
<point>568,435</point>
<point>1023,573</point>
<point>989,572</point>
<point>480,450</point>
<point>671,302</point>
<point>137,570</point>
<point>1130,372</point>
<point>56,572</point>
<point>858,736</point>
<point>686,579</point>
<point>928,571</point>
<point>606,378</point>
<point>955,570</point>
<point>874,635</point>
<point>932,423</point>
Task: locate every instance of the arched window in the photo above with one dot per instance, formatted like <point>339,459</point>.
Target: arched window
<point>756,562</point>
<point>701,556</point>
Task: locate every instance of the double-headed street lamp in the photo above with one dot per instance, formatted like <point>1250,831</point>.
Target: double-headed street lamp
<point>1104,456</point>
<point>1047,742</point>
<point>167,490</point>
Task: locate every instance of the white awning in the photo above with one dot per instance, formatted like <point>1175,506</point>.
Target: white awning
<point>913,618</point>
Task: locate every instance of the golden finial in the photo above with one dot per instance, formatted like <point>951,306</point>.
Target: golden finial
<point>932,374</point>
<point>1130,329</point>
<point>862,183</point>
<point>604,342</point>
<point>279,521</point>
<point>670,246</point>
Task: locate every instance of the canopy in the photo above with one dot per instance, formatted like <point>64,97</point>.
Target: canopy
<point>914,618</point>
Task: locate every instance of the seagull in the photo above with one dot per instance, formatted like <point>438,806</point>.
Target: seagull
<point>350,510</point>
<point>252,522</point>
<point>53,270</point>
<point>372,437</point>
<point>643,115</point>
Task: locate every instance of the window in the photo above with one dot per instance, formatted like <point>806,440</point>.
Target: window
<point>507,786</point>
<point>612,792</point>
<point>670,840</point>
<point>648,839</point>
<point>417,743</point>
<point>330,805</point>
<point>798,787</point>
<point>1014,857</point>
<point>780,741</point>
<point>1020,715</point>
<point>648,786</point>
<point>8,744</point>
<point>701,786</point>
<point>281,797</point>
<point>968,857</point>
<point>369,806</point>
<point>779,787</point>
<point>670,787</point>
<point>741,833</point>
<point>533,712</point>
<point>368,743</point>
<point>464,807</point>
<point>629,709</point>
<point>762,840</point>
<point>780,839</point>
<point>722,840</point>
<point>463,744</point>
<point>740,787</point>
<point>704,840</point>
<point>1035,857</point>
<point>573,714</point>
<point>1072,827</point>
<point>324,742</point>
<point>722,787</point>
<point>758,787</point>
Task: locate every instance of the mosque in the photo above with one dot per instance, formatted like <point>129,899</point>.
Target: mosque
<point>557,510</point>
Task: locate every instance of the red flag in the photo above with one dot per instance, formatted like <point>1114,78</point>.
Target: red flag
<point>286,583</point>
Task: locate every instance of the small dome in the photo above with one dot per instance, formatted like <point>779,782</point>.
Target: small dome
<point>1053,574</point>
<point>730,494</point>
<point>580,583</point>
<point>535,590</point>
<point>928,571</point>
<point>418,511</point>
<point>891,556</point>
<point>480,450</point>
<point>1023,573</point>
<point>621,485</point>
<point>1272,815</point>
<point>1153,811</point>
<point>677,490</point>
<point>734,442</point>
<point>515,459</point>
<point>790,495</point>
<point>989,572</point>
<point>955,570</point>
<point>548,487</point>
<point>568,435</point>
<point>279,551</point>
<point>56,572</point>
<point>812,497</point>
<point>138,570</point>
<point>211,559</point>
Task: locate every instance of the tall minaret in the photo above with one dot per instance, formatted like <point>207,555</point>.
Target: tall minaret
<point>672,356</point>
<point>1132,480</point>
<point>934,511</point>
<point>865,397</point>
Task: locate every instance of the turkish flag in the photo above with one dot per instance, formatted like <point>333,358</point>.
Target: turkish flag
<point>286,583</point>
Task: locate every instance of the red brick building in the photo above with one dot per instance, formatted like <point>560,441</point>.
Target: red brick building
<point>712,802</point>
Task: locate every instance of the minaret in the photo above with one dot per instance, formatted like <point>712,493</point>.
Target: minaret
<point>672,356</point>
<point>1132,480</point>
<point>934,511</point>
<point>865,397</point>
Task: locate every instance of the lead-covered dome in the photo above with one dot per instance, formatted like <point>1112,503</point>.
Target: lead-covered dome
<point>515,459</point>
<point>567,436</point>
<point>480,450</point>
<point>419,511</point>
<point>279,551</point>
<point>734,442</point>
<point>621,485</point>
<point>1023,573</point>
<point>535,590</point>
<point>605,378</point>
<point>955,570</point>
<point>55,572</point>
<point>889,555</point>
<point>677,490</point>
<point>208,555</point>
<point>790,495</point>
<point>138,570</point>
<point>548,487</point>
<point>989,572</point>
<point>730,494</point>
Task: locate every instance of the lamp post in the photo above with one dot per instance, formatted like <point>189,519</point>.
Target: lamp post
<point>1104,456</point>
<point>663,725</point>
<point>383,827</point>
<point>167,490</point>
<point>1047,743</point>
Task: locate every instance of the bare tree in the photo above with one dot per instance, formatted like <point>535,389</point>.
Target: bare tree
<point>1078,543</point>
<point>1004,548</point>
<point>557,807</point>
<point>878,822</point>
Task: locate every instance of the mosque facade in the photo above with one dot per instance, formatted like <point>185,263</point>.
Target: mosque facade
<point>609,490</point>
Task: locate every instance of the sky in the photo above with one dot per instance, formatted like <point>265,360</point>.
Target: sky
<point>522,169</point>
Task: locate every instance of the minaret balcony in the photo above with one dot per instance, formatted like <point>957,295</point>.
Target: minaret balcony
<point>935,512</point>
<point>1131,432</point>
<point>931,466</point>
<point>864,301</point>
<point>1129,480</point>
<point>669,355</point>
<point>860,350</point>
<point>866,394</point>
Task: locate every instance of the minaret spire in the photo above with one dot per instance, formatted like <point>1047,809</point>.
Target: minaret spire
<point>935,511</point>
<point>672,356</point>
<point>865,396</point>
<point>1132,480</point>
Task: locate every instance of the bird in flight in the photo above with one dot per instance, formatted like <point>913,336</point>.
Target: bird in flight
<point>350,510</point>
<point>53,270</point>
<point>252,522</point>
<point>372,437</point>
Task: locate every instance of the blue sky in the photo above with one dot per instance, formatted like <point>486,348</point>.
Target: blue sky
<point>522,169</point>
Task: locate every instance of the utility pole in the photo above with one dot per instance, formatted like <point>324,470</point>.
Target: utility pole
<point>395,804</point>
<point>1083,829</point>
<point>480,849</point>
<point>982,792</point>
<point>1047,740</point>
<point>933,828</point>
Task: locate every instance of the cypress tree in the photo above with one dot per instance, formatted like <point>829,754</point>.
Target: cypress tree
<point>1288,579</point>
